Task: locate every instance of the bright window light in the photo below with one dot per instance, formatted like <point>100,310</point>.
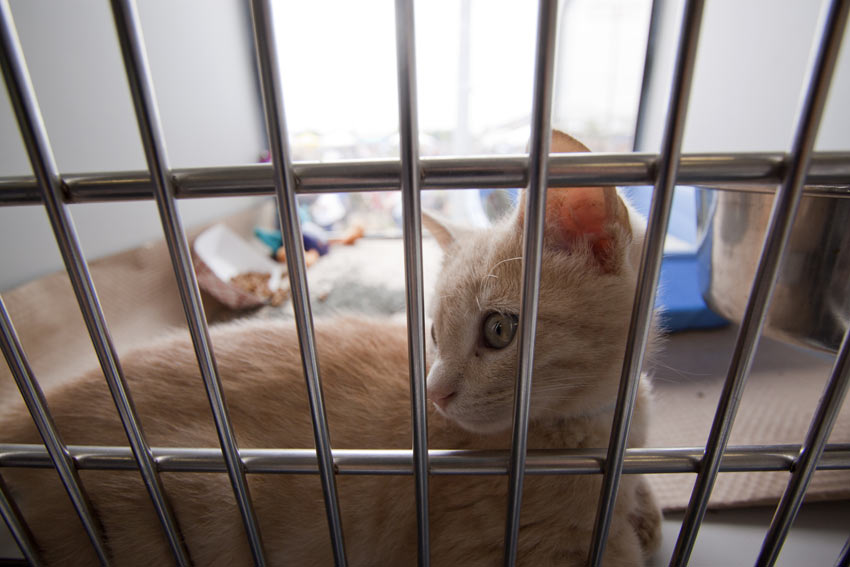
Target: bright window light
<point>475,61</point>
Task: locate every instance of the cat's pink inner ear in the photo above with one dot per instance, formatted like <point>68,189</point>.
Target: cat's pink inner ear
<point>583,216</point>
<point>591,214</point>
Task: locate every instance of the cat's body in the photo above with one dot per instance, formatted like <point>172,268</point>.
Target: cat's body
<point>585,300</point>
<point>368,407</point>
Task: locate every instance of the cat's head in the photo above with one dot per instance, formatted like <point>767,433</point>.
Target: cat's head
<point>586,294</point>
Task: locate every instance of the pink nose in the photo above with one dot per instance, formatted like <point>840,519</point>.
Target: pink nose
<point>441,396</point>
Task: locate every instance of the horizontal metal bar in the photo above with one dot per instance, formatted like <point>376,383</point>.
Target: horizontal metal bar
<point>750,458</point>
<point>829,175</point>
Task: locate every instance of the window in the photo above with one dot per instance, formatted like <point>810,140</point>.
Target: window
<point>474,74</point>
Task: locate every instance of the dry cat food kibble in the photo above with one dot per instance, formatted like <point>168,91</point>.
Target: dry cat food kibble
<point>257,283</point>
<point>310,256</point>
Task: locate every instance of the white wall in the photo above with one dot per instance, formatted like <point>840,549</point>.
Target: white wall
<point>751,62</point>
<point>202,63</point>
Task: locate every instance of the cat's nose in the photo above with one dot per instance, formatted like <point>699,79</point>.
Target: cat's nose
<point>441,396</point>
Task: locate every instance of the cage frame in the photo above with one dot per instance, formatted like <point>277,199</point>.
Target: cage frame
<point>798,172</point>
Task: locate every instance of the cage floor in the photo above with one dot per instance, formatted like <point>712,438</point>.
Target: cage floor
<point>733,537</point>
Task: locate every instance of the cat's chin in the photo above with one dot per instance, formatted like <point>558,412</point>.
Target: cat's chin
<point>478,426</point>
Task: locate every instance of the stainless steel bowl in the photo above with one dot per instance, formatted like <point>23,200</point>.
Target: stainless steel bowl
<point>811,302</point>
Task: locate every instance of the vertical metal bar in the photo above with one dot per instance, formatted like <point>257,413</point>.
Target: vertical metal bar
<point>776,238</point>
<point>37,406</point>
<point>264,38</point>
<point>19,529</point>
<point>652,254</point>
<point>810,453</point>
<point>648,69</point>
<point>460,141</point>
<point>34,134</point>
<point>538,168</point>
<point>130,37</point>
<point>412,226</point>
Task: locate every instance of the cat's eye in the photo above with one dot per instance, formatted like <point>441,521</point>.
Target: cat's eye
<point>499,329</point>
<point>433,334</point>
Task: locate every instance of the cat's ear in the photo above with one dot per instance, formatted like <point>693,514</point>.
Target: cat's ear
<point>443,232</point>
<point>563,143</point>
<point>587,218</point>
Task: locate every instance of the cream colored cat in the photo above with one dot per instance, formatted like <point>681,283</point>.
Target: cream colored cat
<point>591,247</point>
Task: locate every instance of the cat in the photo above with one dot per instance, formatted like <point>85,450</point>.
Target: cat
<point>591,248</point>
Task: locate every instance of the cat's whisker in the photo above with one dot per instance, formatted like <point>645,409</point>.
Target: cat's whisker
<point>549,393</point>
<point>486,279</point>
<point>679,372</point>
<point>556,393</point>
<point>562,398</point>
<point>493,269</point>
<point>556,387</point>
<point>572,383</point>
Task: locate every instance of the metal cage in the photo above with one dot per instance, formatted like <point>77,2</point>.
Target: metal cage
<point>793,172</point>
